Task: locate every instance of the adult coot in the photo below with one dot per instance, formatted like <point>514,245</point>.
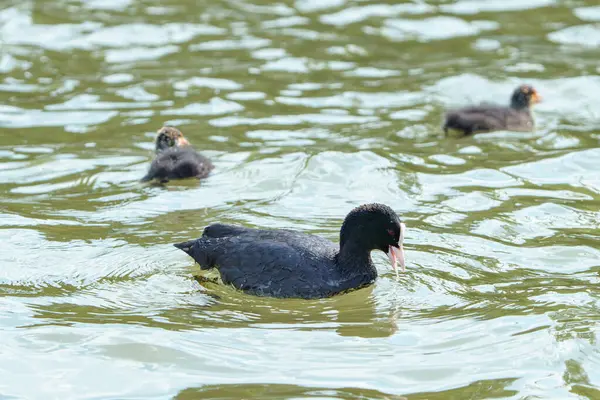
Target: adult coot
<point>285,263</point>
<point>176,159</point>
<point>488,118</point>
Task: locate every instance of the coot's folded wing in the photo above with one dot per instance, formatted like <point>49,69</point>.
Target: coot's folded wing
<point>223,230</point>
<point>292,237</point>
<point>262,267</point>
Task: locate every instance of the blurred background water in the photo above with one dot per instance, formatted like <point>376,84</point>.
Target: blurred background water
<point>307,108</point>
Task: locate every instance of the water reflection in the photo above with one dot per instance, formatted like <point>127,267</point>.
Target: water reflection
<point>477,390</point>
<point>279,391</point>
<point>122,299</point>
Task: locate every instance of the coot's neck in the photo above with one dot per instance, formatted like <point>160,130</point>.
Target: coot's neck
<point>519,105</point>
<point>354,259</point>
<point>170,149</point>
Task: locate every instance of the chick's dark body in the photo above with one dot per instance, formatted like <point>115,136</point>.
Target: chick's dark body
<point>178,163</point>
<point>488,118</point>
<point>176,159</point>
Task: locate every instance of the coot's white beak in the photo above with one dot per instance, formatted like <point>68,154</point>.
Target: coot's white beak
<point>396,254</point>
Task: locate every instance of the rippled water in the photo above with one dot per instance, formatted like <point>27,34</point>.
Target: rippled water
<point>307,109</point>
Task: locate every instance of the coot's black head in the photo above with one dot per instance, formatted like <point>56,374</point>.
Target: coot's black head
<point>524,96</point>
<point>374,227</point>
<point>170,137</point>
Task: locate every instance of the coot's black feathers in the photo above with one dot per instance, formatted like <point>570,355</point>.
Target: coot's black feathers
<point>275,263</point>
<point>285,263</point>
<point>489,118</point>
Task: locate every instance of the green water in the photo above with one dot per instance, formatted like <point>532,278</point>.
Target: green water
<point>307,109</point>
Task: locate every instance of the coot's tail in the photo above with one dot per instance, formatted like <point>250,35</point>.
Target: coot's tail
<point>186,246</point>
<point>197,249</point>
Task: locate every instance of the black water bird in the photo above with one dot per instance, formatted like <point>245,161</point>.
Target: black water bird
<point>286,263</point>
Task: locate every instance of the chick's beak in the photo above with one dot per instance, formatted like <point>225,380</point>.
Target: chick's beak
<point>396,253</point>
<point>181,141</point>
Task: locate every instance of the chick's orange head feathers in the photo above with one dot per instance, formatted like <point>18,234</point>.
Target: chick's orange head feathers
<point>168,136</point>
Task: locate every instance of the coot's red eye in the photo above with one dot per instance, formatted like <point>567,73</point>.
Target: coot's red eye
<point>391,232</point>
